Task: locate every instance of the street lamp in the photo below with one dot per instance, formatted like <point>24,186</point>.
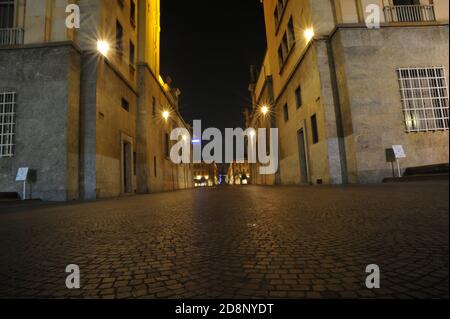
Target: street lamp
<point>103,47</point>
<point>264,110</point>
<point>166,115</point>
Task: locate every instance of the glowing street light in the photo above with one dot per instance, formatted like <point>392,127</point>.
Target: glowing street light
<point>309,34</point>
<point>264,109</point>
<point>166,115</point>
<point>103,47</point>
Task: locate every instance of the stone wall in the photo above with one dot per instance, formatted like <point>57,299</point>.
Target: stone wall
<point>308,76</point>
<point>156,172</point>
<point>114,123</point>
<point>371,107</point>
<point>46,80</point>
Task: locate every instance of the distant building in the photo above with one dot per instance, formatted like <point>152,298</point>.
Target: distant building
<point>239,173</point>
<point>86,108</point>
<point>342,94</point>
<point>205,175</point>
<point>262,116</point>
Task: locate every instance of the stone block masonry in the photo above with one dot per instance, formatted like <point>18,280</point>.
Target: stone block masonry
<point>46,80</point>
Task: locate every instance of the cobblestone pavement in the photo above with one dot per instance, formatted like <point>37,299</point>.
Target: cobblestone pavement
<point>233,242</point>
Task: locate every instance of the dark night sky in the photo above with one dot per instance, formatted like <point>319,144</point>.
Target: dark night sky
<point>207,47</point>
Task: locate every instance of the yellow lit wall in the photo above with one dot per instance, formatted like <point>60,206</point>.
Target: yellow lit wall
<point>149,34</point>
<point>43,20</point>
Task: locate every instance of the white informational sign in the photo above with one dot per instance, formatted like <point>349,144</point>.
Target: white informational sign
<point>399,151</point>
<point>22,174</point>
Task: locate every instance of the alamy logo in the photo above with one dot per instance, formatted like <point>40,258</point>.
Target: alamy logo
<point>260,148</point>
<point>73,19</point>
<point>373,280</point>
<point>373,19</point>
<point>73,279</point>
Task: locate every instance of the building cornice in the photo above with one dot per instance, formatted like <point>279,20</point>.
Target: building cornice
<point>147,67</point>
<point>43,45</point>
<point>168,97</point>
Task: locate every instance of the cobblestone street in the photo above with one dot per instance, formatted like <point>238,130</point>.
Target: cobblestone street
<point>232,242</point>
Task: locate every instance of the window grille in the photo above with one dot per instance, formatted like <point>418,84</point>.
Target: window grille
<point>424,94</point>
<point>7,123</point>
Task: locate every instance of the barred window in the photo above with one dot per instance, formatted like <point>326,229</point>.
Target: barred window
<point>7,123</point>
<point>424,95</point>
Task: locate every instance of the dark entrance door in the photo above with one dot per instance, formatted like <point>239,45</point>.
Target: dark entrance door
<point>304,178</point>
<point>127,167</point>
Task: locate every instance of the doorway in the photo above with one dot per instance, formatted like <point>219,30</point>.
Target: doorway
<point>303,158</point>
<point>127,166</point>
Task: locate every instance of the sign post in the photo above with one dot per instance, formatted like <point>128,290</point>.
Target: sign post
<point>399,152</point>
<point>23,176</point>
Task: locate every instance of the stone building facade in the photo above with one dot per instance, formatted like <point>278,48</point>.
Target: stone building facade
<point>86,108</point>
<point>261,116</point>
<point>239,173</point>
<point>205,174</point>
<point>344,94</point>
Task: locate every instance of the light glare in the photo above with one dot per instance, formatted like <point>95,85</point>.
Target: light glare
<point>103,47</point>
<point>309,34</point>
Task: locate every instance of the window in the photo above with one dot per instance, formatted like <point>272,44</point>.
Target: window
<point>298,97</point>
<point>405,2</point>
<point>409,11</point>
<point>134,163</point>
<point>125,105</point>
<point>6,14</point>
<point>132,53</point>
<point>315,131</point>
<point>287,44</point>
<point>283,51</point>
<point>277,17</point>
<point>119,38</point>
<point>424,95</point>
<point>280,56</point>
<point>153,106</point>
<point>291,33</point>
<point>132,59</point>
<point>133,13</point>
<point>279,10</point>
<point>166,145</point>
<point>286,112</point>
<point>7,123</point>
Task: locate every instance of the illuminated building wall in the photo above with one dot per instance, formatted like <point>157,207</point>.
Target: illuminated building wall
<point>336,96</point>
<point>91,98</point>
